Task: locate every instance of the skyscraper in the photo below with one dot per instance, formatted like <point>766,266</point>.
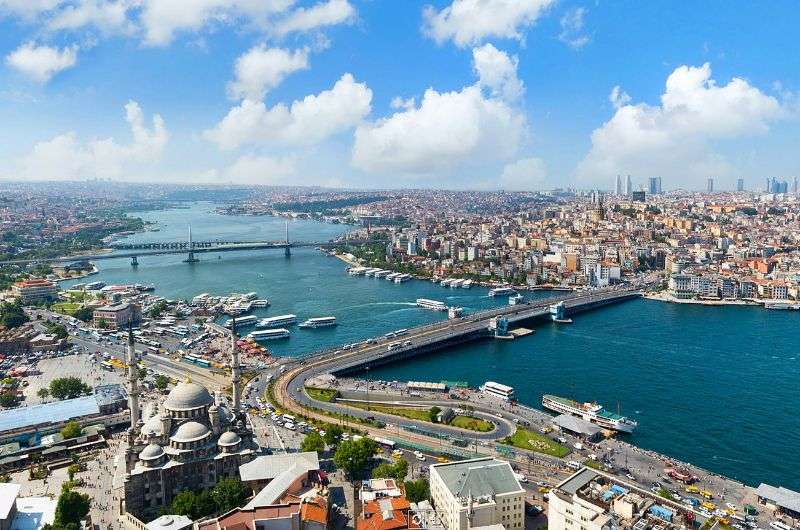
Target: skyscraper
<point>794,185</point>
<point>769,185</point>
<point>618,186</point>
<point>628,186</point>
<point>710,185</point>
<point>655,185</point>
<point>740,184</point>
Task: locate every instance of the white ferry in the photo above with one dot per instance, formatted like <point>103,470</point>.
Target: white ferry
<point>498,390</point>
<point>274,322</point>
<point>433,305</point>
<point>402,278</point>
<point>390,277</point>
<point>270,334</point>
<point>467,284</point>
<point>590,412</point>
<point>456,283</point>
<point>319,322</point>
<point>502,291</point>
<point>260,303</point>
<point>356,271</point>
<point>371,272</point>
<point>516,299</point>
<point>382,273</point>
<point>781,305</point>
<point>242,321</point>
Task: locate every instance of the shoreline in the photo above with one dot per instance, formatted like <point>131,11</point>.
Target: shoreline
<point>666,297</point>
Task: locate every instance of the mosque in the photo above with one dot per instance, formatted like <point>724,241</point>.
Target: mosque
<point>190,443</point>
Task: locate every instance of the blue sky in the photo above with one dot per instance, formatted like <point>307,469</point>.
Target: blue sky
<point>490,94</point>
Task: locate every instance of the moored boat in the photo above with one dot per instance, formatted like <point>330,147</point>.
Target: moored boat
<point>592,412</point>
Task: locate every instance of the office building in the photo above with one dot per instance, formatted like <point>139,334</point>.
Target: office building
<point>618,186</point>
<point>628,186</point>
<point>476,493</point>
<point>740,184</point>
<point>639,196</point>
<point>655,185</point>
<point>794,185</point>
<point>35,290</point>
<point>710,185</point>
<point>117,316</point>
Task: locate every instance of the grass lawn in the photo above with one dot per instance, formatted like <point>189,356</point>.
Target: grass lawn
<point>472,424</point>
<point>66,308</point>
<point>322,394</point>
<point>533,441</point>
<point>462,422</point>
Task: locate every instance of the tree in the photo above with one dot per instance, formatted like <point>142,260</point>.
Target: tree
<point>161,381</point>
<point>398,470</point>
<point>56,329</point>
<point>353,456</point>
<point>8,399</point>
<point>313,442</point>
<point>71,430</point>
<point>43,393</point>
<point>68,388</point>
<point>72,470</point>
<point>417,490</point>
<point>228,494</point>
<point>71,508</point>
<point>12,315</point>
<point>183,503</point>
<point>433,413</point>
<point>333,435</point>
<point>84,313</point>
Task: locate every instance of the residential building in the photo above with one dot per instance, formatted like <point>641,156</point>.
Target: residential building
<point>477,492</point>
<point>386,514</point>
<point>117,316</point>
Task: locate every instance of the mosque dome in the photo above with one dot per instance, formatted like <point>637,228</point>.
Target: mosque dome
<point>228,439</point>
<point>188,396</point>
<point>191,431</point>
<point>151,452</point>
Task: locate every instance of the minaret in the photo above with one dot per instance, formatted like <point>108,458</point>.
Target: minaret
<point>133,380</point>
<point>235,369</point>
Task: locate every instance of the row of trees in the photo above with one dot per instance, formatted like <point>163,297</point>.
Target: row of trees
<point>68,388</point>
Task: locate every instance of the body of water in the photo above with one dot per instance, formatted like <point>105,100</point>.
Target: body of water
<point>714,386</point>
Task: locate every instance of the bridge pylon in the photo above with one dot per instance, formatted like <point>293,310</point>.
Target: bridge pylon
<point>134,261</point>
<point>287,250</point>
<point>191,258</point>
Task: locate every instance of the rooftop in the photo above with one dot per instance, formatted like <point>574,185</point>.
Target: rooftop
<point>33,513</point>
<point>8,496</point>
<point>783,497</point>
<point>55,412</point>
<point>478,477</point>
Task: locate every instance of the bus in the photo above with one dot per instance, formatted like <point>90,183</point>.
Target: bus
<point>389,444</point>
<point>288,417</point>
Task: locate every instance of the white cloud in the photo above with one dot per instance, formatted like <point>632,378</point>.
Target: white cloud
<point>498,72</point>
<point>65,157</point>
<point>28,9</point>
<point>448,130</point>
<point>307,121</point>
<point>526,174</point>
<point>618,97</point>
<point>106,15</point>
<point>572,24</point>
<point>262,69</point>
<point>400,103</point>
<point>256,169</point>
<point>41,63</point>
<point>674,139</point>
<point>468,22</point>
<point>323,14</point>
<point>162,19</point>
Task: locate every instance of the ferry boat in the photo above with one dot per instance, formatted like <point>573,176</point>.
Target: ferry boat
<point>455,312</point>
<point>502,291</point>
<point>274,322</point>
<point>467,284</point>
<point>498,390</point>
<point>356,271</point>
<point>260,303</point>
<point>382,273</point>
<point>590,412</point>
<point>781,305</point>
<point>319,322</point>
<point>242,321</point>
<point>433,305</point>
<point>456,283</point>
<point>390,277</point>
<point>402,278</point>
<point>270,334</point>
<point>516,299</point>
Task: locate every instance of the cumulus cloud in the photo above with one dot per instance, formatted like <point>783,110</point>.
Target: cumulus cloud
<point>262,69</point>
<point>469,22</point>
<point>307,121</point>
<point>108,16</point>
<point>674,139</point>
<point>618,97</point>
<point>41,63</point>
<point>572,33</point>
<point>446,131</point>
<point>65,157</point>
<point>162,19</point>
<point>27,9</point>
<point>526,174</point>
<point>497,71</point>
<point>317,16</point>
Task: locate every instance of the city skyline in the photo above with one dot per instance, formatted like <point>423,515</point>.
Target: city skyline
<point>331,93</point>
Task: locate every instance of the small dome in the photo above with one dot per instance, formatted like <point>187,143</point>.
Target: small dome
<point>188,396</point>
<point>151,452</point>
<point>229,438</point>
<point>153,426</point>
<point>190,431</point>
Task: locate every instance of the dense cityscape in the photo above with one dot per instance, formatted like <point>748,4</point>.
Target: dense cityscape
<point>147,410</point>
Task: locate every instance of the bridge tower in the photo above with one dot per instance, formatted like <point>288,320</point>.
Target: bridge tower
<point>134,261</point>
<point>191,258</point>
<point>287,250</point>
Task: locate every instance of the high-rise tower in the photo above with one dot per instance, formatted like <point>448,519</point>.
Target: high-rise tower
<point>628,186</point>
<point>618,186</point>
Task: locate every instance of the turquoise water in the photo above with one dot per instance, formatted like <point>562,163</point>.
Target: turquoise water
<point>712,386</point>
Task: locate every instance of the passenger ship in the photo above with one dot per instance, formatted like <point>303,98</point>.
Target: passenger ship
<point>498,390</point>
<point>274,322</point>
<point>433,305</point>
<point>319,322</point>
<point>590,412</point>
<point>242,321</point>
<point>270,334</point>
<point>502,291</point>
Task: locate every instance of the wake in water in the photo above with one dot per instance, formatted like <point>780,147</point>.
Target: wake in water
<point>370,304</point>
